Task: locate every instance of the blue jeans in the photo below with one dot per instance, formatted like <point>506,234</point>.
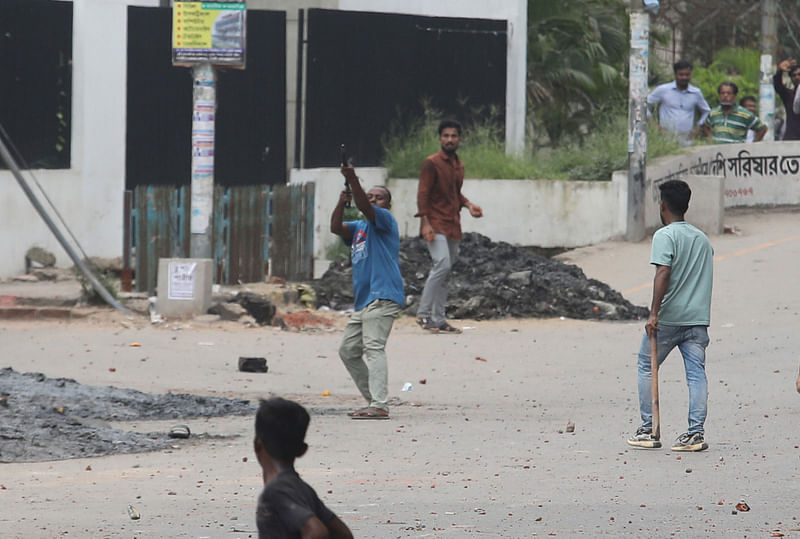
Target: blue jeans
<point>692,342</point>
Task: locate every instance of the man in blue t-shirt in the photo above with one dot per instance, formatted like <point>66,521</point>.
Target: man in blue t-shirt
<point>377,287</point>
<point>679,315</point>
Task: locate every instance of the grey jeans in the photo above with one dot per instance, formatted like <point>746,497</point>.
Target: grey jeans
<point>365,338</point>
<point>444,253</point>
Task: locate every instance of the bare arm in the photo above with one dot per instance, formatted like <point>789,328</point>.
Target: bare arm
<point>313,528</point>
<point>427,175</point>
<point>339,529</point>
<point>337,225</point>
<point>359,196</point>
<point>759,136</point>
<point>474,209</point>
<point>660,285</point>
<point>704,109</point>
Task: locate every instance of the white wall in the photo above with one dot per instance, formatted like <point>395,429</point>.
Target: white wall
<point>90,194</point>
<point>556,213</point>
<point>545,213</point>
<point>759,174</point>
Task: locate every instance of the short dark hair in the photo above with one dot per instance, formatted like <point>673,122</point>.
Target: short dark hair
<point>446,123</point>
<point>681,64</point>
<point>731,84</point>
<point>388,193</point>
<point>676,194</point>
<point>746,99</point>
<point>281,426</point>
<point>793,69</point>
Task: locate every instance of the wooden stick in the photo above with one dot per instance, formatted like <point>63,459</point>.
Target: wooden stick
<point>654,385</point>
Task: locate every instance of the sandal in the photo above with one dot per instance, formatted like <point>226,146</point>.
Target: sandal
<point>422,321</point>
<point>429,327</point>
<point>369,413</point>
<point>447,328</point>
<point>354,412</point>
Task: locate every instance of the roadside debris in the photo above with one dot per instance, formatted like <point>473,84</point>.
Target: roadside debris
<point>253,364</point>
<point>58,418</point>
<point>493,280</point>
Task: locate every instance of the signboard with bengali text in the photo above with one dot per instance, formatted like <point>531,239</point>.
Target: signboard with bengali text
<point>209,32</point>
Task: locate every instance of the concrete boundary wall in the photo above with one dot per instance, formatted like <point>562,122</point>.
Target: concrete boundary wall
<point>89,195</point>
<point>559,213</point>
<point>545,213</point>
<point>760,174</point>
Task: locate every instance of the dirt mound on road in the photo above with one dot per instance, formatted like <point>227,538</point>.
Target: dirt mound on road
<point>45,418</point>
<point>494,280</point>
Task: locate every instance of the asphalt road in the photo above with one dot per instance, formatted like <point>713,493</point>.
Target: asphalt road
<point>480,447</point>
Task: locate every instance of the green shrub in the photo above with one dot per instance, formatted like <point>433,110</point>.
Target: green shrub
<point>737,65</point>
<point>482,147</point>
<point>483,151</point>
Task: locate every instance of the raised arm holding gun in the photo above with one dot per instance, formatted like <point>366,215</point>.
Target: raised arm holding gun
<point>377,289</point>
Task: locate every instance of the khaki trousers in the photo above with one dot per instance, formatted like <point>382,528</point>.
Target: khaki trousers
<point>363,350</point>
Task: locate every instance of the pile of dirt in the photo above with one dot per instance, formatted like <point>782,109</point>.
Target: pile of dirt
<point>45,418</point>
<point>493,280</point>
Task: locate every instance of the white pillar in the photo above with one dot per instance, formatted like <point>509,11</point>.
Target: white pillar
<point>516,79</point>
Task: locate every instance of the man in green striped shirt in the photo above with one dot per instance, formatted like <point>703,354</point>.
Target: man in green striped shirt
<point>729,122</point>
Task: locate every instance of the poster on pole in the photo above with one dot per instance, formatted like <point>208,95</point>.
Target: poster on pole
<point>209,32</point>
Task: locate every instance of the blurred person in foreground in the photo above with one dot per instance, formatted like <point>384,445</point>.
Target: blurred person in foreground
<point>288,507</point>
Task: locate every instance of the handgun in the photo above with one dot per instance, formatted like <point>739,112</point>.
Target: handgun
<point>344,161</point>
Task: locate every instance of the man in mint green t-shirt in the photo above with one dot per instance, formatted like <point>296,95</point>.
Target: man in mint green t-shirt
<point>679,315</point>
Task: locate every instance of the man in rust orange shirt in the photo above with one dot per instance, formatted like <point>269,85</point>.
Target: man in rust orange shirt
<point>439,203</point>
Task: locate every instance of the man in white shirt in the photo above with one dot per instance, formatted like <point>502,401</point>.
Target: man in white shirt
<point>677,102</point>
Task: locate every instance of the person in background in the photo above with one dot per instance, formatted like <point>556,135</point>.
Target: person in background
<point>439,203</point>
<point>729,122</point>
<point>792,131</point>
<point>749,102</point>
<point>679,103</point>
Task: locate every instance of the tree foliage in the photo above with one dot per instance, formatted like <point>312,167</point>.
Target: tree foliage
<point>705,27</point>
<point>577,53</point>
<point>737,65</point>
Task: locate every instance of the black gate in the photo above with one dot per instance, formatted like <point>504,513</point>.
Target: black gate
<point>249,153</point>
<point>369,71</point>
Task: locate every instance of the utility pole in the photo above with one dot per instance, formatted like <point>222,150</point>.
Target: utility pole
<point>204,104</point>
<point>205,34</point>
<point>637,120</point>
<point>769,47</point>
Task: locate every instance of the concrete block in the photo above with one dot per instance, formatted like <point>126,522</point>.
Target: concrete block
<point>184,286</point>
<point>707,205</point>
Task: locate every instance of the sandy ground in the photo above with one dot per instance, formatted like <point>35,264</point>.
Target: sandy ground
<point>479,446</point>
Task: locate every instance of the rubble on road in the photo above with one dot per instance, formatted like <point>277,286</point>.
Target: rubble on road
<point>45,418</point>
<point>493,280</point>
